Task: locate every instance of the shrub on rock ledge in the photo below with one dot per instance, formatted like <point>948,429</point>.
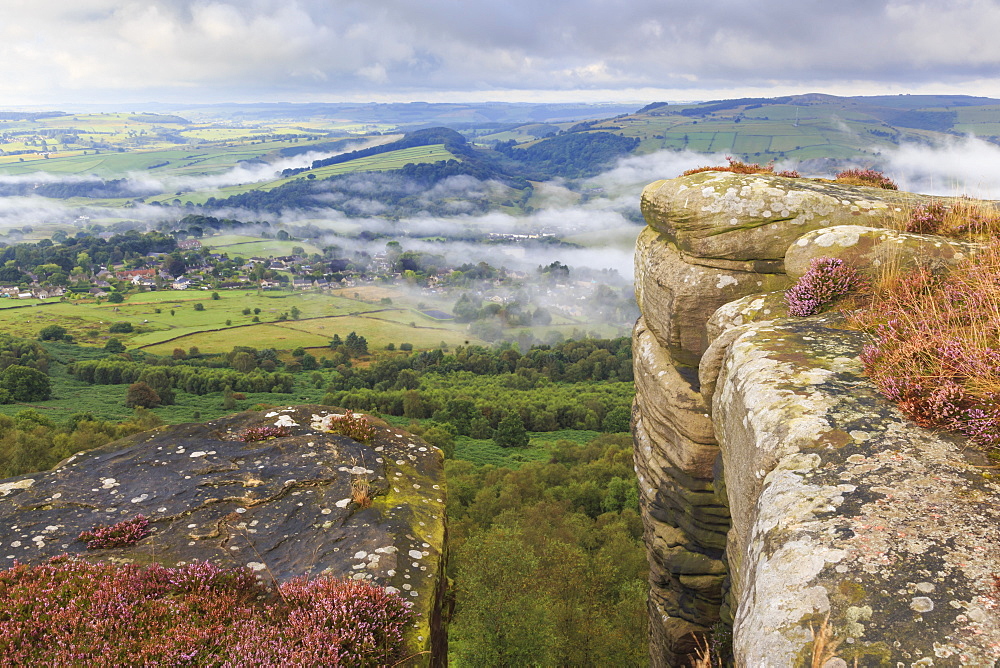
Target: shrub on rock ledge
<point>827,279</point>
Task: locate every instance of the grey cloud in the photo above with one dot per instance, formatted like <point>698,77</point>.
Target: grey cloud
<point>314,48</point>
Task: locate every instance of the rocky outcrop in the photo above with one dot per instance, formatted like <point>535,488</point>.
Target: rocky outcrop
<point>779,491</point>
<point>283,507</point>
<point>842,509</point>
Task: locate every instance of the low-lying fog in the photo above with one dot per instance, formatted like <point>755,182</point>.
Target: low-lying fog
<point>599,215</point>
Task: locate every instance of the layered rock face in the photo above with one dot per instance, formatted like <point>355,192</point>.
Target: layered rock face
<point>778,489</point>
<point>283,507</point>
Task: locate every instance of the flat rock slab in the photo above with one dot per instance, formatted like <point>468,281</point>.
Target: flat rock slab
<point>282,507</point>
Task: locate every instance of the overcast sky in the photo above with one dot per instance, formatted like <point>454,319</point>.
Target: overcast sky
<point>114,51</point>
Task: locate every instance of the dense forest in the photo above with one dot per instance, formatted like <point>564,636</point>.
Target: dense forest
<point>548,559</point>
<point>572,155</point>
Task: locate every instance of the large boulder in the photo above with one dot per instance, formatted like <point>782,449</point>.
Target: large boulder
<point>755,217</point>
<point>677,297</point>
<point>844,510</point>
<point>872,250</point>
<point>283,507</point>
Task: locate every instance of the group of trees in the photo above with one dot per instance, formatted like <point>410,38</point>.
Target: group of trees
<point>24,366</point>
<point>93,187</point>
<point>570,361</point>
<point>30,441</point>
<point>572,155</point>
<point>472,391</point>
<point>352,345</point>
<point>548,559</point>
<point>54,260</point>
<point>191,379</point>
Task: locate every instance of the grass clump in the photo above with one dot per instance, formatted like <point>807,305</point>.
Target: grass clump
<point>739,167</point>
<point>866,177</point>
<point>71,612</point>
<point>936,348</point>
<point>963,219</point>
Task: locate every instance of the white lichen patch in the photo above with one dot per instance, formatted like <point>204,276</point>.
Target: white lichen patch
<point>844,236</point>
<point>725,280</point>
<point>8,487</point>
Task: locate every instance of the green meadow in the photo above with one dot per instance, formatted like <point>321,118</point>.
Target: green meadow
<point>246,246</point>
<point>376,163</point>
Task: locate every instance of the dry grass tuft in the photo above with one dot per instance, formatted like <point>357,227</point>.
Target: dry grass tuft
<point>936,348</point>
<point>962,219</point>
<point>361,492</point>
<point>739,167</point>
<point>824,644</point>
<point>703,653</point>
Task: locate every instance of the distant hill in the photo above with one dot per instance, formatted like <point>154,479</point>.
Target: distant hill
<point>812,128</point>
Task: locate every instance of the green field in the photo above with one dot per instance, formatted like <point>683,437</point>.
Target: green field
<point>179,325</point>
<point>245,246</point>
<point>376,163</point>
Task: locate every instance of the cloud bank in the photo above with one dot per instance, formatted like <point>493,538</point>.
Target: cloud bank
<point>225,50</point>
<point>967,166</point>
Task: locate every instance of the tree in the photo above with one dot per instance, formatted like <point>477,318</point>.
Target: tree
<point>141,394</point>
<point>199,307</point>
<point>503,612</point>
<point>115,298</point>
<point>52,333</point>
<point>25,383</point>
<point>114,346</point>
<point>510,433</point>
<point>120,328</point>
<point>215,296</point>
<point>228,398</point>
<point>617,420</point>
<point>295,313</point>
<point>244,362</point>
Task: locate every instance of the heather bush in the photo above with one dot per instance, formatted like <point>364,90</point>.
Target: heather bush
<point>936,348</point>
<point>349,424</point>
<point>926,219</point>
<point>739,167</point>
<point>866,177</point>
<point>965,219</point>
<point>126,532</point>
<point>262,433</point>
<point>826,279</point>
<point>70,612</point>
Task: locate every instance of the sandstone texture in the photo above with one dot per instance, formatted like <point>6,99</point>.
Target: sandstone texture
<point>677,297</point>
<point>872,249</point>
<point>842,507</point>
<point>779,491</point>
<point>282,507</point>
